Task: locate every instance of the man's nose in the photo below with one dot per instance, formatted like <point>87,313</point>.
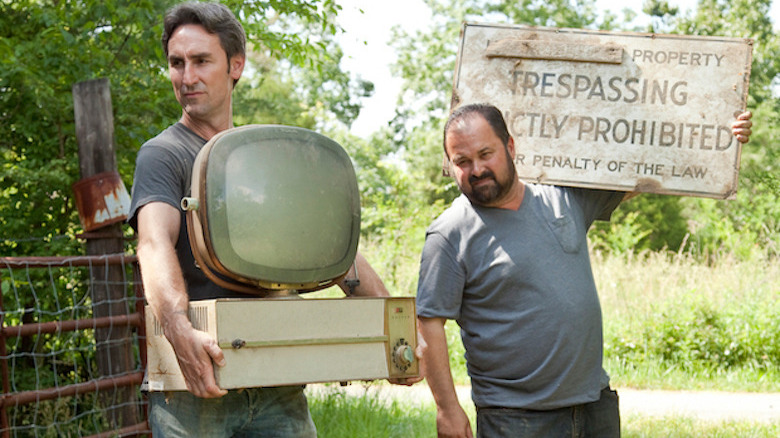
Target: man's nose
<point>478,168</point>
<point>189,77</point>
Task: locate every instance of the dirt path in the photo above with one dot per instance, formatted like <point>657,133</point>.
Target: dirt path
<point>704,405</point>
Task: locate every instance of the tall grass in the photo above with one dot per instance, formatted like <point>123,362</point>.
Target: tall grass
<point>339,415</point>
<point>671,321</point>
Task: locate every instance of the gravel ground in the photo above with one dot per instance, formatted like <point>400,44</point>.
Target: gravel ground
<point>704,405</point>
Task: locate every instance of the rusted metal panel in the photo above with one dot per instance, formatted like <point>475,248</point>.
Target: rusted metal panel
<point>622,111</point>
<point>102,384</point>
<point>29,329</point>
<point>63,261</point>
<point>101,200</point>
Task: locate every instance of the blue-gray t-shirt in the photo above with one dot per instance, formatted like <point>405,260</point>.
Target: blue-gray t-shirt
<point>519,284</point>
<point>163,173</point>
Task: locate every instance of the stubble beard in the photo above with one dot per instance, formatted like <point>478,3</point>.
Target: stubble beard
<point>488,194</point>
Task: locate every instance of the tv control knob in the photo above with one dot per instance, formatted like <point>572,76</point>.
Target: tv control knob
<point>403,356</point>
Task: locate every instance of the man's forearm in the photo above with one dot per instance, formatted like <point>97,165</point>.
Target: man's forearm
<point>436,363</point>
<point>451,419</point>
<point>164,286</point>
<point>370,283</point>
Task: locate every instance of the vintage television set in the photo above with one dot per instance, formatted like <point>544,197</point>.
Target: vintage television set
<point>275,212</point>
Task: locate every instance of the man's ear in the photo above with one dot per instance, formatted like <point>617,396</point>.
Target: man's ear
<point>237,63</point>
<point>510,147</point>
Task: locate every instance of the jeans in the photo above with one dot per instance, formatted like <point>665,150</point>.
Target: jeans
<point>255,412</point>
<point>599,419</point>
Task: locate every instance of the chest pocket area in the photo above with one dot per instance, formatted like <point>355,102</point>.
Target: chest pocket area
<point>565,231</point>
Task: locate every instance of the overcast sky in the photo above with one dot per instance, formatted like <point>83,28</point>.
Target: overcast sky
<point>367,52</point>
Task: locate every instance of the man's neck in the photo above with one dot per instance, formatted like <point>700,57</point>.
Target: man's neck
<point>515,200</point>
<point>207,128</point>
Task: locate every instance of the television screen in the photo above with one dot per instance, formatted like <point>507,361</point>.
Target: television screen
<point>278,206</point>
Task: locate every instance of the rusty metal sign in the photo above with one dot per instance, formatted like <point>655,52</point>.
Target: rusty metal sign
<point>101,200</point>
<point>623,111</point>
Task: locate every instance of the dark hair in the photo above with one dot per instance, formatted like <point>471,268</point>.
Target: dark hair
<point>216,18</point>
<point>489,112</point>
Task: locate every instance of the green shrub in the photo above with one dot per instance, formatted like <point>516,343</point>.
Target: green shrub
<point>679,314</point>
<point>692,339</point>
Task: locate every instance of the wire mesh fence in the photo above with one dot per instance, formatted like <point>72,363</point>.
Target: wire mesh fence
<point>72,351</point>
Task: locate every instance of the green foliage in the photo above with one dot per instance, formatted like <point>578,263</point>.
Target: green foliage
<point>394,211</point>
<point>46,47</point>
<point>619,236</point>
<point>671,321</point>
<point>748,226</point>
<point>54,360</point>
<point>701,337</point>
<point>294,76</point>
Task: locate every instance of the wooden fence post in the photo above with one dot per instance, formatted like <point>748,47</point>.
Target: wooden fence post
<point>95,134</point>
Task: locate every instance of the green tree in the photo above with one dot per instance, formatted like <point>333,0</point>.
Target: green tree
<point>47,46</point>
<point>427,59</point>
<point>426,62</point>
<point>750,222</point>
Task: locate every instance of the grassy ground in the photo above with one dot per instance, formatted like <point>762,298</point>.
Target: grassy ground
<point>338,415</point>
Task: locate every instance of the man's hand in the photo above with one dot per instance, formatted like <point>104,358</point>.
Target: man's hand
<point>741,127</point>
<point>453,424</point>
<point>419,352</point>
<point>197,352</point>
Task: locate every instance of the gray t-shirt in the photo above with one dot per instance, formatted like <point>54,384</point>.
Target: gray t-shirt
<point>163,173</point>
<point>520,285</point>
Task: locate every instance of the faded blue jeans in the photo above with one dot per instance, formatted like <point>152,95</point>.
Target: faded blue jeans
<point>254,412</point>
<point>599,419</point>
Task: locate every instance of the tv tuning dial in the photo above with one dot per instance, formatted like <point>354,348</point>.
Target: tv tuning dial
<point>403,354</point>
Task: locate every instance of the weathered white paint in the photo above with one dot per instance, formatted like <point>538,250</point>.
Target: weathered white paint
<point>624,111</point>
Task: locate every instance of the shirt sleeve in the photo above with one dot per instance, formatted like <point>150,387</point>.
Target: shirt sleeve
<point>157,179</point>
<point>598,204</point>
<point>441,282</point>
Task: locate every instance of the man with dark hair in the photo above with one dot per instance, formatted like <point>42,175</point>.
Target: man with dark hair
<point>216,19</point>
<point>509,262</point>
<point>205,48</point>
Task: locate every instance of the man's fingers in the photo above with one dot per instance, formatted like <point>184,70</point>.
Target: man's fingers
<point>215,353</point>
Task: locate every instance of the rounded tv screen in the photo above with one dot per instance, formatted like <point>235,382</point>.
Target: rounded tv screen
<point>282,205</point>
